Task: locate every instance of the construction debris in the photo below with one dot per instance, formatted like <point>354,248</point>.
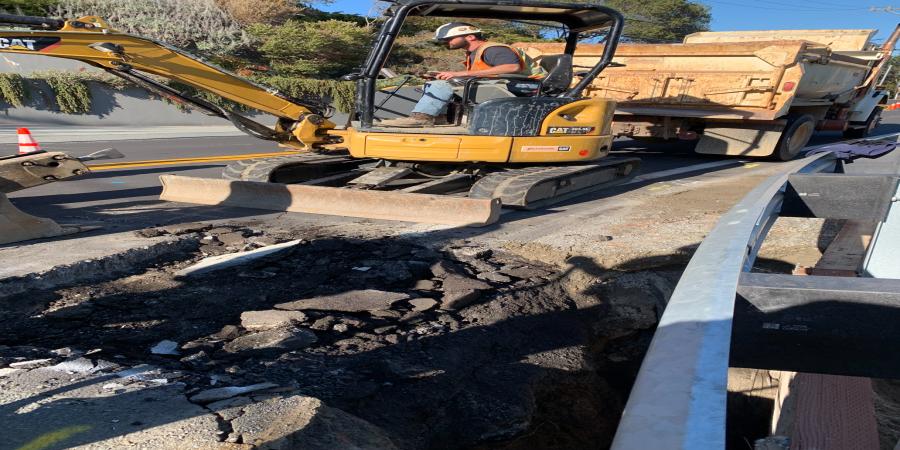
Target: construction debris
<point>283,339</point>
<point>214,395</point>
<point>382,345</point>
<point>30,364</point>
<point>234,259</point>
<point>272,318</point>
<point>352,301</point>
<point>302,422</point>
<point>165,348</point>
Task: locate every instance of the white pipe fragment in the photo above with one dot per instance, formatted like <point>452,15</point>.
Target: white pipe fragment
<point>220,262</point>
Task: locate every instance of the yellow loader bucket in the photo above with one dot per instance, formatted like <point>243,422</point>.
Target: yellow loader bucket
<point>370,204</point>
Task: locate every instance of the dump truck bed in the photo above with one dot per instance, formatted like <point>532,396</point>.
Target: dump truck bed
<point>836,40</point>
<point>754,80</point>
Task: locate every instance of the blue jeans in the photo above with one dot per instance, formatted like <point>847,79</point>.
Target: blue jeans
<point>434,102</point>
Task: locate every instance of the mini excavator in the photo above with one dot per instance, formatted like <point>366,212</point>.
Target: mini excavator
<point>539,143</point>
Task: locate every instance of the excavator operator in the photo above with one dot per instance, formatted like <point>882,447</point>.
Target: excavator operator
<point>483,59</point>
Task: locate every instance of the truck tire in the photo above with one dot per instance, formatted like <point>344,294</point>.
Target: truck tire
<point>794,137</point>
<point>870,124</point>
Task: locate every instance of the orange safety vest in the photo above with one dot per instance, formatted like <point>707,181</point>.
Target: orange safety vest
<point>480,64</point>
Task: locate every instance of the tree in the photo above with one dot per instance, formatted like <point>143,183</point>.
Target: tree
<point>661,20</point>
<point>893,78</point>
<point>658,21</point>
<point>314,49</point>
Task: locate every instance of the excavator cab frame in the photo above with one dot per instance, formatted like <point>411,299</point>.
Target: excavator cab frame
<point>577,19</point>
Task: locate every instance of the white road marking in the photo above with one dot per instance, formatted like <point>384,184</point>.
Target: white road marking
<point>682,170</point>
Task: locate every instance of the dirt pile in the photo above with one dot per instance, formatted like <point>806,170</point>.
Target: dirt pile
<point>460,347</point>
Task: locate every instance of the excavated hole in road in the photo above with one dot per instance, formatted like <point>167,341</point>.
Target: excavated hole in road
<point>483,349</point>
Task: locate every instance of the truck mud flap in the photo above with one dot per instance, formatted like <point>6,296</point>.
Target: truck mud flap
<point>759,142</point>
<point>370,204</point>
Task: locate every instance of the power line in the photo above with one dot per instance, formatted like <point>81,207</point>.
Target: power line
<point>818,7</point>
<point>799,10</point>
<point>887,9</point>
<point>823,3</point>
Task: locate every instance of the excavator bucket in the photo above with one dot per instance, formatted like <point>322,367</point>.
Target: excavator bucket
<point>16,225</point>
<point>34,169</point>
<point>387,205</point>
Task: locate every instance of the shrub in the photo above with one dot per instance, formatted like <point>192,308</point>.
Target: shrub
<point>12,89</point>
<point>341,93</point>
<point>27,7</point>
<point>317,49</point>
<point>196,25</point>
<point>260,11</point>
<point>72,93</point>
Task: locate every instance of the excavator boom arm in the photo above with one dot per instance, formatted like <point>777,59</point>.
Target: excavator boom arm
<point>90,40</point>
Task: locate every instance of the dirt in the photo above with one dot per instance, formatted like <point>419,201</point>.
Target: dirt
<point>511,340</point>
<point>484,349</point>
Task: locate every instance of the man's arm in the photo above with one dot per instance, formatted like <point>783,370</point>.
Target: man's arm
<point>496,70</point>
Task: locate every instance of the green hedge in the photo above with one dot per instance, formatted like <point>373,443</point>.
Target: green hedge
<point>12,89</point>
<point>73,96</point>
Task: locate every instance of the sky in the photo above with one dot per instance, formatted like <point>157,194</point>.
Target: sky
<point>729,15</point>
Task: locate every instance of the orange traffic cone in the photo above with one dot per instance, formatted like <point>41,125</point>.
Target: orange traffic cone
<point>27,144</point>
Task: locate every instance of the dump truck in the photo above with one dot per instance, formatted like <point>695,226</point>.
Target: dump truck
<point>748,93</point>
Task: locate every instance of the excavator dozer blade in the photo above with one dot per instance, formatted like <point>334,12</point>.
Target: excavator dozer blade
<point>370,204</point>
<point>16,225</point>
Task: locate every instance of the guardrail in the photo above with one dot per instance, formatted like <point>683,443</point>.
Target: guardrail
<point>679,398</point>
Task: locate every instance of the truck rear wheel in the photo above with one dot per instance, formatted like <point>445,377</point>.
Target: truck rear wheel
<point>794,137</point>
<point>870,124</point>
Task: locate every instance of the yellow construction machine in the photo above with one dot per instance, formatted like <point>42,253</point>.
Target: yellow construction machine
<point>539,142</point>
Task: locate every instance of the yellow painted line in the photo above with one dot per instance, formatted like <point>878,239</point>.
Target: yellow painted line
<point>750,165</point>
<point>178,161</point>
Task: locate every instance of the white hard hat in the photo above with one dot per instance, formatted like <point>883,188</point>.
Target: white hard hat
<point>454,29</point>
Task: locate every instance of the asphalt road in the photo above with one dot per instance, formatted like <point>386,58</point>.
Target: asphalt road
<point>123,198</point>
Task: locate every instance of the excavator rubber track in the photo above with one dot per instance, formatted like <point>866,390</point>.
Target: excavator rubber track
<point>539,186</point>
<point>295,168</point>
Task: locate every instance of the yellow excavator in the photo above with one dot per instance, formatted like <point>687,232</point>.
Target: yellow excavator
<point>539,142</point>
